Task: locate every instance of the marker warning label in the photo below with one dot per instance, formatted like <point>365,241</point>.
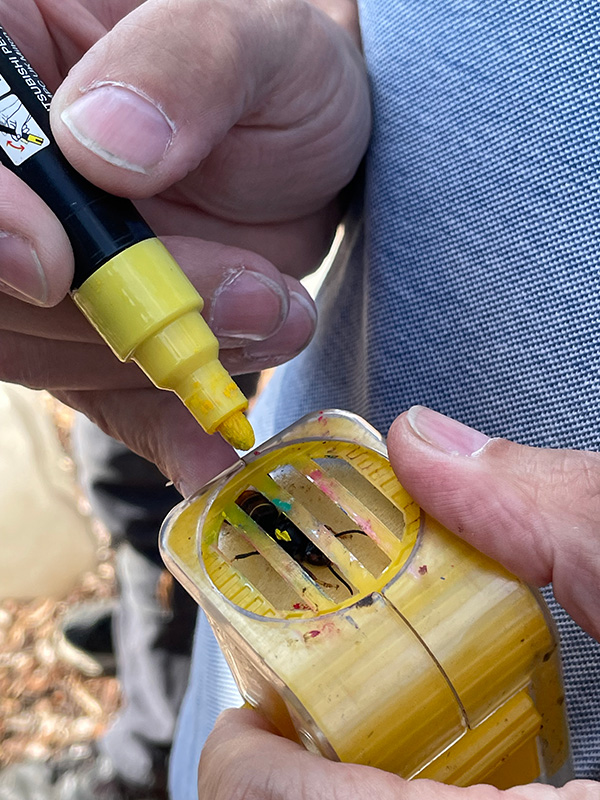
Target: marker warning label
<point>20,135</point>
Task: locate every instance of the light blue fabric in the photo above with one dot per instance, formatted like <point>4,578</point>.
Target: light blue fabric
<point>471,285</point>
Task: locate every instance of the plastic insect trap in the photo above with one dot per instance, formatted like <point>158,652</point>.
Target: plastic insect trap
<point>359,625</point>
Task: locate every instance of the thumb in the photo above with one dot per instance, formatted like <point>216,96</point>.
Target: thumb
<point>535,511</point>
<point>160,92</point>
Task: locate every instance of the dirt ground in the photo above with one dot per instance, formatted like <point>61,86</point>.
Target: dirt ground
<point>49,701</point>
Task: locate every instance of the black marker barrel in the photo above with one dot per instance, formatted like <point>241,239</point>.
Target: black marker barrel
<point>98,224</point>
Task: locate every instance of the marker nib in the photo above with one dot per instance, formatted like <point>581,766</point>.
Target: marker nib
<point>237,431</point>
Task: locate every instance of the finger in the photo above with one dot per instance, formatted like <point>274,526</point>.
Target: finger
<point>42,363</point>
<point>64,322</point>
<point>71,29</point>
<point>46,364</point>
<point>536,511</point>
<point>243,758</point>
<point>289,340</point>
<point>297,246</point>
<point>247,721</point>
<point>28,30</point>
<point>247,302</point>
<point>345,13</point>
<point>36,262</point>
<point>246,299</point>
<point>160,92</point>
<point>158,427</point>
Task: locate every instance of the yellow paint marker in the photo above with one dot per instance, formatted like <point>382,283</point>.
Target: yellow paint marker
<point>149,312</point>
<point>126,283</point>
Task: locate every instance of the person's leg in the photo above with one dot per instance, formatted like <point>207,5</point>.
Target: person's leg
<point>210,691</point>
<point>154,627</point>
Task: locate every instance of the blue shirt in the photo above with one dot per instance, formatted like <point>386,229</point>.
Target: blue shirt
<point>468,281</point>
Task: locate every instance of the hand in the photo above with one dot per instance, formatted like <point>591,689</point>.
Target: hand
<point>536,511</point>
<point>227,121</point>
<point>245,759</point>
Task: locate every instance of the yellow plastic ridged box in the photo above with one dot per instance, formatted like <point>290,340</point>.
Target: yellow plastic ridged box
<point>359,625</point>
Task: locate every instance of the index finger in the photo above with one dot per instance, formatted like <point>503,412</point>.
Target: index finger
<point>158,427</point>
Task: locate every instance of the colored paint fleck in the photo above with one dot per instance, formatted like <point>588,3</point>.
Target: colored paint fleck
<point>284,505</point>
<point>423,570</point>
<point>366,526</point>
<point>442,578</point>
<point>301,607</point>
<point>311,635</point>
<point>329,627</point>
<point>367,601</point>
<point>316,476</point>
<point>282,535</point>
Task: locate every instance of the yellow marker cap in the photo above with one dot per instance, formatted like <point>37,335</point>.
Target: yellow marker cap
<point>147,310</point>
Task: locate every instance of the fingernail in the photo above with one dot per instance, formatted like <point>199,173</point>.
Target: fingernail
<point>293,337</point>
<point>21,273</point>
<point>445,433</point>
<point>248,305</point>
<point>120,125</point>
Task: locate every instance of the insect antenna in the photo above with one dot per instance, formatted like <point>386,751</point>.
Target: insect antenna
<point>245,555</point>
<point>315,579</point>
<point>339,578</point>
<point>343,533</point>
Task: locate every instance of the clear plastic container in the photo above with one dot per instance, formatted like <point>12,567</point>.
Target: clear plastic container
<point>359,625</point>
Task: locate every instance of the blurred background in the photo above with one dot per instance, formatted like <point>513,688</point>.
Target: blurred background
<point>53,556</point>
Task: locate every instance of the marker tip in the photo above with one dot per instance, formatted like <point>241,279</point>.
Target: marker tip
<point>237,431</point>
